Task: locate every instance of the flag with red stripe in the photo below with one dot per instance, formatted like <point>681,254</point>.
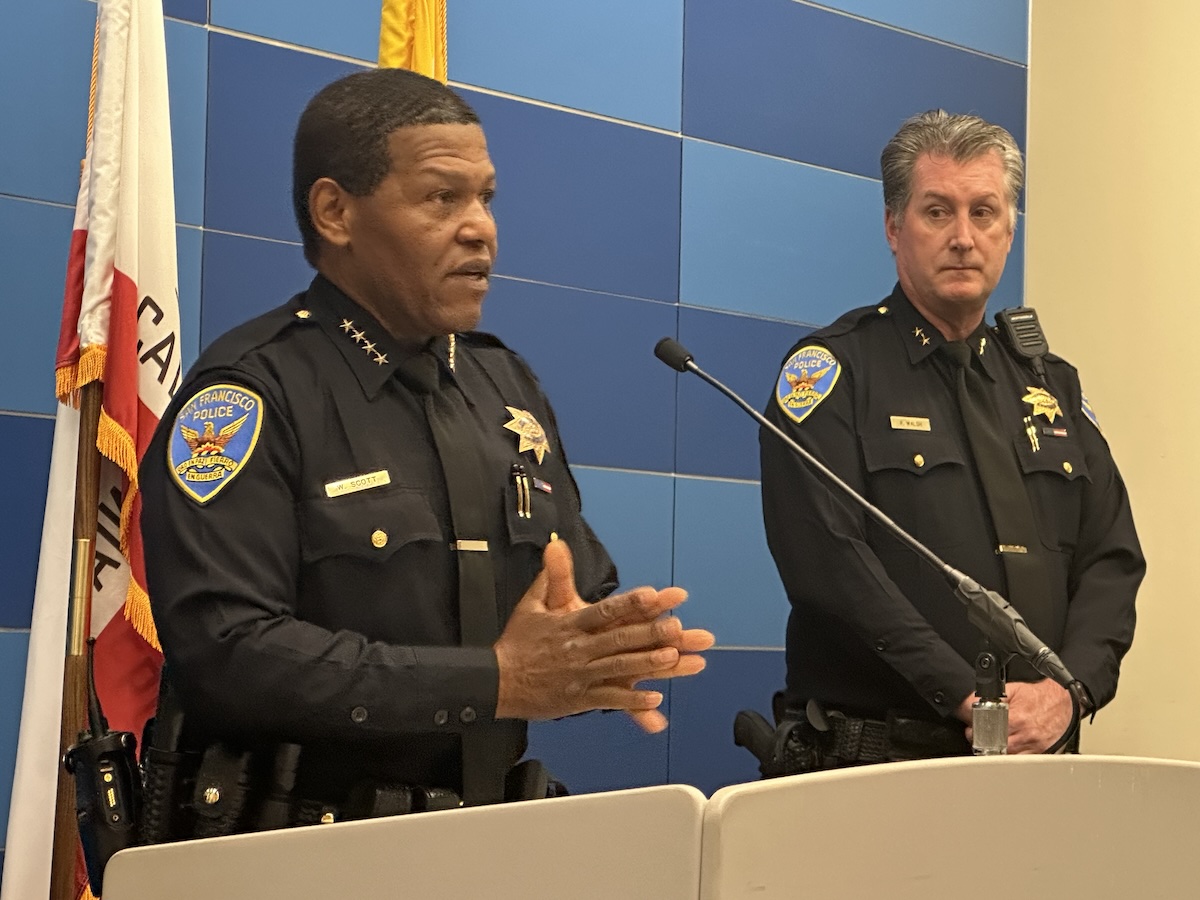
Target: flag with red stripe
<point>120,325</point>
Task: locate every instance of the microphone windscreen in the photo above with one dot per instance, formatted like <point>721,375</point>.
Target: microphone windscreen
<point>673,353</point>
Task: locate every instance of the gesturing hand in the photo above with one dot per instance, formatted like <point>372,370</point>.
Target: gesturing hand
<point>559,655</point>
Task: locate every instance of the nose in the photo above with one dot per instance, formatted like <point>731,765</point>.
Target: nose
<point>962,236</point>
<point>478,225</point>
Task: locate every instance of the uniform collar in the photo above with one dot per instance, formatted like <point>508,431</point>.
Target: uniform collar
<point>372,354</point>
<point>922,338</point>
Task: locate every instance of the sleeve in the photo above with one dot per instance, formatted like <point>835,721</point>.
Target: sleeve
<point>222,577</point>
<point>818,538</point>
<point>1106,570</point>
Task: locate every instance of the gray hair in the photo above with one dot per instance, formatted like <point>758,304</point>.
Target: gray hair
<point>959,137</point>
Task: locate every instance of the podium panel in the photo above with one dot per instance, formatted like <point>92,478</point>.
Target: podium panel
<point>642,843</point>
<point>1096,827</point>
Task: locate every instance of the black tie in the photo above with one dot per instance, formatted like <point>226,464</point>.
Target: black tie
<point>1017,538</point>
<point>449,416</point>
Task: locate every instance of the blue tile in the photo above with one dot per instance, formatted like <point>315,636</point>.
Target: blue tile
<point>594,356</point>
<point>703,709</point>
<point>812,85</point>
<point>715,437</point>
<point>36,238</point>
<point>622,58</point>
<point>189,249</point>
<point>633,515</point>
<point>243,277</point>
<point>999,27</point>
<point>601,751</point>
<point>351,28</point>
<point>46,49</point>
<point>583,202</point>
<point>781,239</point>
<point>23,480</point>
<point>14,647</point>
<point>187,77</point>
<point>721,557</point>
<point>256,93</point>
<point>191,10</point>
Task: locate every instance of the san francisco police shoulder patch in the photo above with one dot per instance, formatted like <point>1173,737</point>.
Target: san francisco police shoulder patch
<point>212,438</point>
<point>807,378</point>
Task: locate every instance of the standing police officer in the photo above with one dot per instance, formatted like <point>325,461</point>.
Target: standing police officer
<point>993,461</point>
<point>363,541</point>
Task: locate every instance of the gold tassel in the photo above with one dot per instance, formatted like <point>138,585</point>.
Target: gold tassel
<point>137,612</point>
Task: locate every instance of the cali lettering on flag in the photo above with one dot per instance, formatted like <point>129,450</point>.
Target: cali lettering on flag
<point>120,326</point>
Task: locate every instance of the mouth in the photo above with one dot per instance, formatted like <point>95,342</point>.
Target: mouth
<point>477,270</point>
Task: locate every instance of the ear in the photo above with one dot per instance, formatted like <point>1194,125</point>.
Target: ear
<point>891,228</point>
<point>329,211</point>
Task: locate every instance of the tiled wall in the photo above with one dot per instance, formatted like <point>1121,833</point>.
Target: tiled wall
<point>705,169</point>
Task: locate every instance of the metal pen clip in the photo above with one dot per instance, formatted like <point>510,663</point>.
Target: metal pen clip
<point>1031,431</point>
<point>521,481</point>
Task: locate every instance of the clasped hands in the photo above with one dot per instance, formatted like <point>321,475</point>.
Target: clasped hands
<point>559,655</point>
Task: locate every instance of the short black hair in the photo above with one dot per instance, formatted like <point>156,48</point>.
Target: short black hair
<point>343,133</point>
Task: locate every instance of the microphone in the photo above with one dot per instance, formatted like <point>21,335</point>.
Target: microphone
<point>990,613</point>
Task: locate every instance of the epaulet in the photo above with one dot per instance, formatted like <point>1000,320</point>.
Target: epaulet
<point>851,320</point>
<point>242,339</point>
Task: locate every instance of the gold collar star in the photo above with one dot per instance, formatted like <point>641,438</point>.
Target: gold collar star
<point>380,358</point>
<point>359,336</point>
<point>369,346</point>
<point>1043,402</point>
<point>924,341</point>
<point>347,325</point>
<point>533,436</point>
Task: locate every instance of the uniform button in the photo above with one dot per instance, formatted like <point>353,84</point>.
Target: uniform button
<point>883,310</point>
<point>918,460</point>
<point>939,698</point>
<point>467,716</point>
<point>441,717</point>
<point>302,314</point>
<point>1068,468</point>
<point>881,645</point>
<point>379,538</point>
<point>358,715</point>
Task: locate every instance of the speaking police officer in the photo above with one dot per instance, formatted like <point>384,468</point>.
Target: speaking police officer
<point>363,540</point>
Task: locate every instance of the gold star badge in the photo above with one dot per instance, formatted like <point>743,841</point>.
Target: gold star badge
<point>533,436</point>
<point>1043,403</point>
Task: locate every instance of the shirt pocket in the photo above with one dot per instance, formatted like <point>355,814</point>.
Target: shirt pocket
<point>920,479</point>
<point>371,525</point>
<point>1056,475</point>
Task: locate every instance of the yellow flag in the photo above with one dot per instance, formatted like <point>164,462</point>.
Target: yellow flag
<point>412,35</point>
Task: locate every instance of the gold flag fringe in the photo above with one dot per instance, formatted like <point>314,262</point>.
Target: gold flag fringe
<point>87,893</point>
<point>88,368</point>
<point>137,612</point>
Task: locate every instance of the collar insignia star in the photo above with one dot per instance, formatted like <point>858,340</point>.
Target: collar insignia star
<point>359,336</point>
<point>917,332</point>
<point>381,358</point>
<point>1043,402</point>
<point>347,325</point>
<point>924,341</point>
<point>533,436</point>
<point>369,346</point>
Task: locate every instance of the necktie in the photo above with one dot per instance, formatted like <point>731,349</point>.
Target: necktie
<point>1012,516</point>
<point>449,416</point>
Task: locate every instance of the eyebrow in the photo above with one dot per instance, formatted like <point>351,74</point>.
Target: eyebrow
<point>935,195</point>
<point>448,172</point>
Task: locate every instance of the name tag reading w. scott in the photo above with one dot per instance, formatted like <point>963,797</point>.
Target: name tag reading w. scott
<point>910,423</point>
<point>358,483</point>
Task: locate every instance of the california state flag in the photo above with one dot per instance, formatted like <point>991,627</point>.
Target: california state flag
<point>120,326</point>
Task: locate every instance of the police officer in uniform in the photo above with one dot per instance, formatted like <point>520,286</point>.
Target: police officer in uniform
<point>928,413</point>
<point>363,540</point>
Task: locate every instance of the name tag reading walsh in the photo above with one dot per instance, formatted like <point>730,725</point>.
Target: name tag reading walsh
<point>910,423</point>
<point>358,483</point>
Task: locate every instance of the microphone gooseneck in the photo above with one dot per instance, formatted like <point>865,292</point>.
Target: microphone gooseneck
<point>989,612</point>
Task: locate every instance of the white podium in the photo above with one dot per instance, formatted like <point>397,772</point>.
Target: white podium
<point>642,843</point>
<point>1041,827</point>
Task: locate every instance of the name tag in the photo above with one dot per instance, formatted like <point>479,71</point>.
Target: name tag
<point>358,483</point>
<point>910,423</point>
